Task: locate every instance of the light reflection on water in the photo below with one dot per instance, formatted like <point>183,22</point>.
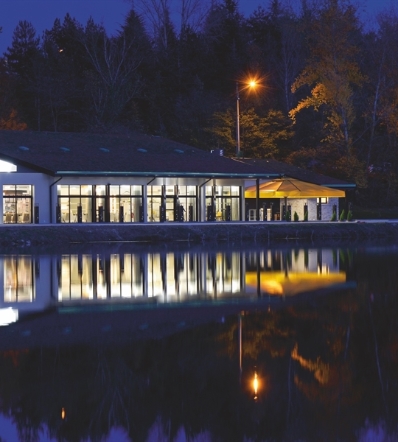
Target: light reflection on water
<point>325,368</point>
<point>35,282</point>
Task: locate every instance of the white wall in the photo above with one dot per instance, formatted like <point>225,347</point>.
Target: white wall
<point>297,205</point>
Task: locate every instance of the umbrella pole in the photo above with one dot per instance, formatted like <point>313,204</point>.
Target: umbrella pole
<point>286,208</point>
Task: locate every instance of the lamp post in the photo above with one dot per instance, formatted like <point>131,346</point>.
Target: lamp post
<point>237,121</point>
<point>251,84</point>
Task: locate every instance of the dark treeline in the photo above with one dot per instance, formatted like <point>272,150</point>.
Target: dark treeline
<point>326,100</point>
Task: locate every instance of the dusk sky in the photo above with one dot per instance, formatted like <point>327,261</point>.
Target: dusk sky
<point>42,13</point>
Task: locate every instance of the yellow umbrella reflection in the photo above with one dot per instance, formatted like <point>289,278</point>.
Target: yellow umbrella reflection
<point>282,284</point>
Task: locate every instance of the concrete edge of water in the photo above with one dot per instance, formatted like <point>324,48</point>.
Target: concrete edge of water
<point>232,233</point>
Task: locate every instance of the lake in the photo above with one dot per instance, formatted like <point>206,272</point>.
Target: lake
<point>146,343</point>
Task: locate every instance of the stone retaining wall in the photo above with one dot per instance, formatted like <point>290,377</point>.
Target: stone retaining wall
<point>172,233</point>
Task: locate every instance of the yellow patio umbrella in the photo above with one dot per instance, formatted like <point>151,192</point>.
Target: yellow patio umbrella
<point>292,188</point>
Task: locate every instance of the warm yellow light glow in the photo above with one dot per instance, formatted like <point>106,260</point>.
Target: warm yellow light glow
<point>251,84</point>
<point>255,385</point>
<point>63,413</point>
<point>278,283</point>
<point>292,188</point>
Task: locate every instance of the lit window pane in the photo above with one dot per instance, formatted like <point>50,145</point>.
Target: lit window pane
<point>114,190</point>
<point>136,190</point>
<point>74,190</point>
<point>86,190</point>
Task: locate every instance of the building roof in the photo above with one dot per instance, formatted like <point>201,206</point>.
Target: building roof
<point>289,170</point>
<point>60,154</point>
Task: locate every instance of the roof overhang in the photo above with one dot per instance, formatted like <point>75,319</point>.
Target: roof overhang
<point>167,174</point>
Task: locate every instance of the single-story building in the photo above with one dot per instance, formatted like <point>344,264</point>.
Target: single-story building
<point>88,178</point>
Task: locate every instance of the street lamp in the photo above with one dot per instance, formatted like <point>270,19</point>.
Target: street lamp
<point>250,84</point>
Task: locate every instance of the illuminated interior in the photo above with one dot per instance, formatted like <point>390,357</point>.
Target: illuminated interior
<point>17,204</point>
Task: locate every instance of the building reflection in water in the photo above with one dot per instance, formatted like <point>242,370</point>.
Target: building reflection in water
<point>36,282</point>
<point>18,279</point>
<point>167,277</point>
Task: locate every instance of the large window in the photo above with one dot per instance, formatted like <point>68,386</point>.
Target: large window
<point>101,203</point>
<point>222,203</point>
<point>75,203</point>
<point>172,203</point>
<point>17,204</point>
<point>125,204</point>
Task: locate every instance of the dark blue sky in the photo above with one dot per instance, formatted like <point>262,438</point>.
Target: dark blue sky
<point>42,13</point>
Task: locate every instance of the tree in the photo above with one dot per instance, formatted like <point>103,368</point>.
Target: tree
<point>24,49</point>
<point>7,91</point>
<point>12,122</point>
<point>332,74</point>
<point>226,46</point>
<point>63,76</point>
<point>113,80</point>
<point>157,15</point>
<point>22,57</point>
<point>279,46</point>
<point>261,137</point>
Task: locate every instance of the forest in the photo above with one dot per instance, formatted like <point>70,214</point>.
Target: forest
<point>325,99</point>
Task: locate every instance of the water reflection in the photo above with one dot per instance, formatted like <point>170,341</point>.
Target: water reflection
<point>165,277</point>
<point>320,370</point>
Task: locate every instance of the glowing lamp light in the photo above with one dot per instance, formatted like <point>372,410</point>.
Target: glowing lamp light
<point>251,84</point>
<point>255,385</point>
<point>63,413</point>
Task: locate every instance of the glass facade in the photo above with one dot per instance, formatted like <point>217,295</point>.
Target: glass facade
<point>163,203</point>
<point>75,203</point>
<point>222,203</point>
<point>17,204</point>
<point>172,203</point>
<point>125,203</point>
<point>99,203</point>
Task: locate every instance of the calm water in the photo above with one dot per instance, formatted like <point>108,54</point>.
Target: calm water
<point>314,358</point>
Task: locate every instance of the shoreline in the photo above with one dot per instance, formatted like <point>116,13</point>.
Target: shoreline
<point>174,234</point>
